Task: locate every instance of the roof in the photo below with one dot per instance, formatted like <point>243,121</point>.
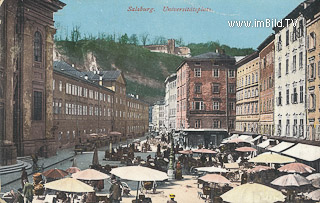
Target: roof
<point>265,42</point>
<point>171,78</point>
<point>212,55</point>
<point>293,15</point>
<point>106,75</point>
<point>65,69</point>
<point>248,58</point>
<point>304,152</point>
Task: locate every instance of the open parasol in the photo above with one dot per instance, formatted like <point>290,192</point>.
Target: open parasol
<point>215,178</point>
<point>246,149</point>
<point>212,169</point>
<point>272,158</point>
<point>55,173</point>
<point>204,151</point>
<point>69,185</point>
<point>313,176</point>
<point>90,174</point>
<point>139,173</point>
<point>291,180</point>
<point>315,195</point>
<point>187,152</point>
<point>316,183</point>
<point>253,193</point>
<point>258,169</point>
<point>296,168</point>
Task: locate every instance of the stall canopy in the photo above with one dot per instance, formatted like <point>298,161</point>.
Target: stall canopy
<point>304,152</point>
<point>245,137</point>
<point>256,138</point>
<point>265,143</point>
<point>281,146</point>
<point>234,136</point>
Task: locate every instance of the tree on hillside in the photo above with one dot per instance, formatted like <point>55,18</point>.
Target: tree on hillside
<point>75,33</point>
<point>179,42</point>
<point>134,39</point>
<point>144,38</point>
<point>124,39</point>
<point>159,40</point>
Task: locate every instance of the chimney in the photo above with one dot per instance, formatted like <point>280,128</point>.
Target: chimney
<point>86,77</point>
<point>72,65</point>
<point>137,96</point>
<point>217,51</point>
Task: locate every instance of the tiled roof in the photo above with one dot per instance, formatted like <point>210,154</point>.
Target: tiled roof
<point>212,55</point>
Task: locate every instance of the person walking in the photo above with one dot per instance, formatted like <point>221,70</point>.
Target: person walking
<point>171,200</point>
<point>115,192</point>
<point>24,176</point>
<point>28,191</point>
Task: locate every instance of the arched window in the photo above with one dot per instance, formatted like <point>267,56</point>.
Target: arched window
<point>37,46</point>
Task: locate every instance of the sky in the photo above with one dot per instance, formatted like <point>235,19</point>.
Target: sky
<point>113,17</point>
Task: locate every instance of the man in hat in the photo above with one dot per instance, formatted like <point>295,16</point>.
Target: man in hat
<point>172,196</point>
<point>115,191</point>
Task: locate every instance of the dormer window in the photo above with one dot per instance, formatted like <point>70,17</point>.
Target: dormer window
<point>37,47</point>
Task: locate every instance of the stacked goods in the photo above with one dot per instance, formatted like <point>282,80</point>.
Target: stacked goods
<point>37,184</point>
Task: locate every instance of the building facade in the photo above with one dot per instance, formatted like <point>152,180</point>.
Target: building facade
<point>26,78</point>
<point>170,102</point>
<point>248,94</point>
<point>290,76</point>
<point>83,105</point>
<point>266,55</point>
<point>313,66</point>
<point>206,90</point>
<point>170,48</point>
<point>158,120</point>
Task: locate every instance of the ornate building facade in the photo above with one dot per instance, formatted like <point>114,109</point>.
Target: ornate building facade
<point>26,78</point>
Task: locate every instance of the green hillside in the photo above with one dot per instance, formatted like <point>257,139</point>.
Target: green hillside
<point>137,63</point>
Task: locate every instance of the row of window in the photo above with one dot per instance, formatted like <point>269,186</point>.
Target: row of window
<point>247,93</point>
<point>312,102</point>
<point>215,124</point>
<point>293,64</point>
<point>248,80</point>
<point>266,105</point>
<point>215,72</point>
<point>200,105</point>
<point>247,108</point>
<point>91,110</point>
<point>297,130</point>
<point>312,67</point>
<point>215,88</point>
<point>292,36</point>
<point>294,96</point>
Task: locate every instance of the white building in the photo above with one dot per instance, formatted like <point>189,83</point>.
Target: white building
<point>158,116</point>
<point>170,102</point>
<point>290,76</point>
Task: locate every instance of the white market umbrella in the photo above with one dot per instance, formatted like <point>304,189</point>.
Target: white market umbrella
<point>90,174</point>
<point>139,173</point>
<point>69,185</point>
<point>315,195</point>
<point>313,176</point>
<point>253,193</point>
<point>291,180</point>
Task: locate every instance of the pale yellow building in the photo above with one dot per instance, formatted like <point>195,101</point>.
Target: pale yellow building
<point>247,106</point>
<point>313,77</point>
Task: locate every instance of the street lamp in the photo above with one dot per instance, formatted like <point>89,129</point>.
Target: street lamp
<point>171,159</point>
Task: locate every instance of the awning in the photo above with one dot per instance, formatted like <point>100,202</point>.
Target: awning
<point>265,143</point>
<point>230,138</point>
<point>256,138</point>
<point>245,137</point>
<point>281,146</point>
<point>304,152</point>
